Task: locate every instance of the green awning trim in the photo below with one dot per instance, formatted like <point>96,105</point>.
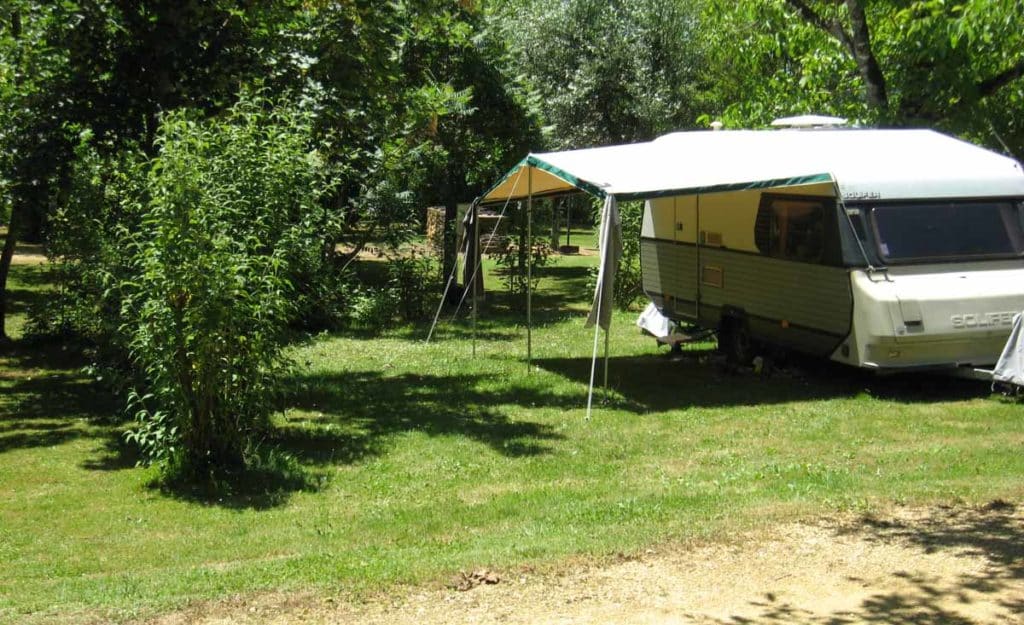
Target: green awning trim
<point>579,183</point>
<point>598,192</point>
<point>732,186</point>
<point>533,161</point>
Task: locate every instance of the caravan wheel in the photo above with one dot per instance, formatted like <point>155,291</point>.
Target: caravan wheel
<point>734,341</point>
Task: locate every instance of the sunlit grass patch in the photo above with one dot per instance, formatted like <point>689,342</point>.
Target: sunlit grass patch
<point>418,459</point>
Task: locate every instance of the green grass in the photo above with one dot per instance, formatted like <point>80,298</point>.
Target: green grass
<point>27,284</point>
<point>424,460</point>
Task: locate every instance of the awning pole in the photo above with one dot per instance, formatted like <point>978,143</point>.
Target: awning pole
<point>529,268</point>
<point>607,332</point>
<point>593,359</point>
<point>477,262</point>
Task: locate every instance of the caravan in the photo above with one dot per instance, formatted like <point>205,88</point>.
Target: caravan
<point>911,256</point>
<point>882,249</point>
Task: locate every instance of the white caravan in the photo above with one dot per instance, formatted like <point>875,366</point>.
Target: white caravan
<point>883,249</point>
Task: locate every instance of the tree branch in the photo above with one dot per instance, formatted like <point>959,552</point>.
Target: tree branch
<point>833,27</point>
<point>874,80</point>
<point>994,83</point>
<point>857,42</point>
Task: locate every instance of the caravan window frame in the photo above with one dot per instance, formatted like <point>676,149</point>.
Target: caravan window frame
<point>1015,236</point>
<point>766,206</point>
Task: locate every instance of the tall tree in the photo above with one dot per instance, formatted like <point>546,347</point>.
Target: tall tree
<point>34,147</point>
<point>111,66</point>
<point>957,66</point>
<point>607,72</point>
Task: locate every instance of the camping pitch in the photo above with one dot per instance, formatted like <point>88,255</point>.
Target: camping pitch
<point>882,249</point>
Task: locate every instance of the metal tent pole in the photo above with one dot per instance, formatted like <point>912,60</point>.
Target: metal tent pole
<point>607,332</point>
<point>593,358</point>
<point>477,264</point>
<point>529,268</point>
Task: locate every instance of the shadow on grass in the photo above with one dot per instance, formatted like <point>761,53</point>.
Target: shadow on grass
<point>993,533</point>
<point>269,481</point>
<point>360,411</point>
<point>23,301</point>
<point>568,281</point>
<point>696,379</point>
<point>356,415</point>
<point>46,400</point>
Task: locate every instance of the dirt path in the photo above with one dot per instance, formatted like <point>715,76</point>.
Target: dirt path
<point>943,565</point>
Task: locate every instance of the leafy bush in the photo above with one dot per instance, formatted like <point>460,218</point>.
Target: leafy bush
<point>629,286</point>
<point>229,211</point>
<point>322,298</point>
<point>409,292</point>
<point>373,308</point>
<point>512,259</point>
<point>416,280</point>
<point>89,257</point>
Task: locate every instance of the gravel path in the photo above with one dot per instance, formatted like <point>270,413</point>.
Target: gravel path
<point>961,566</point>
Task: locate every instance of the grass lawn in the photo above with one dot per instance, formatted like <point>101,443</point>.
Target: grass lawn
<point>423,460</point>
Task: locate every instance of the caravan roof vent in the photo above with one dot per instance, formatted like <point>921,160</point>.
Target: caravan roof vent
<point>809,121</point>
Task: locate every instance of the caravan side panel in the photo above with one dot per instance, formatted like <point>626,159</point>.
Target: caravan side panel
<point>800,305</point>
<point>670,277</point>
<point>700,260</point>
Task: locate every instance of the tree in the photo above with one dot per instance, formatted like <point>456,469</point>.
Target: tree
<point>490,128</point>
<point>34,146</point>
<point>955,66</point>
<point>607,72</point>
<point>110,66</point>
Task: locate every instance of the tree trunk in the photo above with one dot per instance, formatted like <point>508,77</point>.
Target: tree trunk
<point>867,64</point>
<point>858,42</point>
<point>10,241</point>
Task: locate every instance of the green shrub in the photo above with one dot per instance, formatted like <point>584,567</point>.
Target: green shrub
<point>90,259</point>
<point>374,308</point>
<point>629,286</point>
<point>323,298</point>
<point>229,211</point>
<point>416,281</point>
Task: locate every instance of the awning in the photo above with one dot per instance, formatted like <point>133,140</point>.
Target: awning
<point>862,164</point>
<point>865,164</point>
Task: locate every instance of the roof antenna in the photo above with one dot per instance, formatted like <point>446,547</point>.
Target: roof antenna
<point>717,125</point>
<point>809,121</point>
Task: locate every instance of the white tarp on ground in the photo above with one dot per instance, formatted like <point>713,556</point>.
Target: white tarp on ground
<point>865,164</point>
<point>1010,367</point>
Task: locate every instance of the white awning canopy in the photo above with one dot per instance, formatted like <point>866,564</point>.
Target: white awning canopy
<point>864,164</point>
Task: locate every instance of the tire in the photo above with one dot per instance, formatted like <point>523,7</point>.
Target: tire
<point>734,341</point>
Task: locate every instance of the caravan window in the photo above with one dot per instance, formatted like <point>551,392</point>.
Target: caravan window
<point>948,231</point>
<point>791,227</point>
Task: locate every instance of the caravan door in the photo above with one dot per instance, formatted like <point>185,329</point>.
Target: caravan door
<point>669,255</point>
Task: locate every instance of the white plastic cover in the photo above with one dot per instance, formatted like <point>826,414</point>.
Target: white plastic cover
<point>654,322</point>
<point>1010,368</point>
